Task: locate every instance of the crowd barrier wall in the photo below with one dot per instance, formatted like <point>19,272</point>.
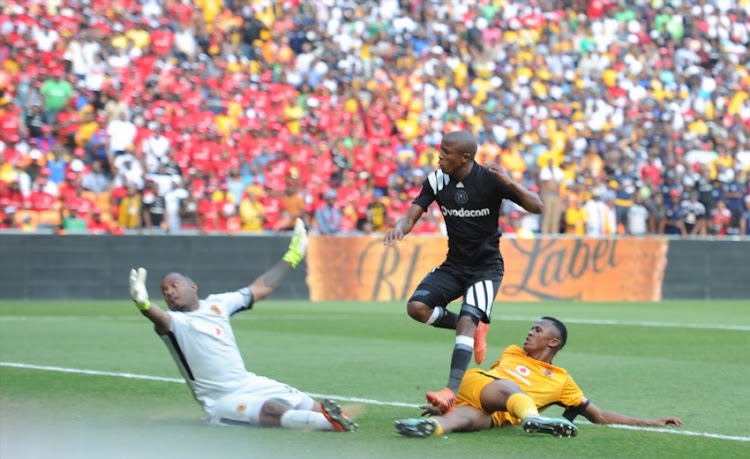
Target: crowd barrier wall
<point>97,267</point>
<point>361,268</point>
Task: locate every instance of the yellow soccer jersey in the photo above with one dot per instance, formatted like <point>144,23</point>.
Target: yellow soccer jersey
<point>546,384</point>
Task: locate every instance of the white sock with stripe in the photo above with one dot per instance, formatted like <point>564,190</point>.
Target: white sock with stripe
<point>305,420</point>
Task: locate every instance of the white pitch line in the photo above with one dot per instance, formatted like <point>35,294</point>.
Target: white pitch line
<point>682,432</point>
<point>67,318</point>
<point>90,372</point>
<point>632,323</point>
<point>512,318</point>
<point>346,399</point>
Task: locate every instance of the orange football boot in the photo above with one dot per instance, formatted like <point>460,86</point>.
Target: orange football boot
<point>332,411</point>
<point>444,400</point>
<point>480,342</point>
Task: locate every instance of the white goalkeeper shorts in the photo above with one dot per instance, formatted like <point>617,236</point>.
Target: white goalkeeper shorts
<point>243,406</point>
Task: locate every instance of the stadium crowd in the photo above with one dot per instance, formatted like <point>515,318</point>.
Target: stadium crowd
<point>241,115</point>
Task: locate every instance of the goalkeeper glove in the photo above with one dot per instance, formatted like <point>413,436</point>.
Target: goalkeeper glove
<point>138,289</point>
<point>298,246</point>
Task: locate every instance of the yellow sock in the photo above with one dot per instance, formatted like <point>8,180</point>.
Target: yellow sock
<point>521,406</point>
<point>438,429</point>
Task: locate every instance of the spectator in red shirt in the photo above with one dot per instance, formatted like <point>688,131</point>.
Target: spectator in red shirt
<point>68,122</point>
<point>11,154</point>
<point>651,171</point>
<point>208,212</point>
<point>162,39</point>
<point>39,200</point>
<point>10,124</point>
<point>80,201</point>
<point>96,225</point>
<point>721,219</point>
<point>226,206</point>
<point>14,195</point>
<point>382,168</point>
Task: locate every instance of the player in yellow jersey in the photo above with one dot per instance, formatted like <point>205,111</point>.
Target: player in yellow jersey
<point>519,385</point>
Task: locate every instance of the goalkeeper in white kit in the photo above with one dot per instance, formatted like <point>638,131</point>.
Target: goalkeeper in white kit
<point>199,336</point>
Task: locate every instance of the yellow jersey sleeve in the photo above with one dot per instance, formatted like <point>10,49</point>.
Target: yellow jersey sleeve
<point>571,394</point>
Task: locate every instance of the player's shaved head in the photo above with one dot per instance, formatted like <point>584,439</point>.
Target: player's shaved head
<point>462,141</point>
<point>176,275</point>
<point>562,330</point>
<point>180,292</point>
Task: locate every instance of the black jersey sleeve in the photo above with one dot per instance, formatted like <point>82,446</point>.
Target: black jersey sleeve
<point>426,196</point>
<point>508,193</point>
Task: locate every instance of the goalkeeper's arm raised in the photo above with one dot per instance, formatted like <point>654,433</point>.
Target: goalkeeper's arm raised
<point>161,320</point>
<point>271,279</point>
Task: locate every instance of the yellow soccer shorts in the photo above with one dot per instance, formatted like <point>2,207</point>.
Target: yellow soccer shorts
<point>469,392</point>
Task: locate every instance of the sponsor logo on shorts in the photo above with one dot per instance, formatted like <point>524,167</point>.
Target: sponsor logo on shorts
<point>465,212</point>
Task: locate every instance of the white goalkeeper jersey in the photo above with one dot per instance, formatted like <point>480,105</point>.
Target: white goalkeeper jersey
<point>202,344</point>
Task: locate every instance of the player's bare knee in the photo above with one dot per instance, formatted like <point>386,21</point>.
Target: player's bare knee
<point>467,323</point>
<point>494,396</point>
<point>270,413</point>
<point>418,311</point>
<point>509,387</point>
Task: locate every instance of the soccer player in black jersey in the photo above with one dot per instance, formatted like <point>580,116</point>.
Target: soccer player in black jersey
<point>469,196</point>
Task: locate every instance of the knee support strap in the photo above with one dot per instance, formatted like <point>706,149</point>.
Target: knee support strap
<point>474,313</point>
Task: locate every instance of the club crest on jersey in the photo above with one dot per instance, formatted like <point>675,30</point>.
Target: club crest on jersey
<point>547,372</point>
<point>462,197</point>
<point>241,408</point>
<point>215,309</point>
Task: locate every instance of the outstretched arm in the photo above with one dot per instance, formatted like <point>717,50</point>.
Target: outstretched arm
<point>271,279</point>
<point>599,416</point>
<point>161,320</point>
<point>404,225</point>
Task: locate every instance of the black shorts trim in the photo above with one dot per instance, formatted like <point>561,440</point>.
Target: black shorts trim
<point>233,422</point>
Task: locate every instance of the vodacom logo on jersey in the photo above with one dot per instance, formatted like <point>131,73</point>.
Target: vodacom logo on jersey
<point>465,212</point>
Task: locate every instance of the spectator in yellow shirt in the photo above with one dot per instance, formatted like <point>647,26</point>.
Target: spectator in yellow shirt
<point>252,211</point>
<point>86,129</point>
<point>592,162</point>
<point>129,216</point>
<point>575,217</point>
<point>512,160</point>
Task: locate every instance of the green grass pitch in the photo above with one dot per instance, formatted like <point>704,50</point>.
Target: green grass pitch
<point>688,359</point>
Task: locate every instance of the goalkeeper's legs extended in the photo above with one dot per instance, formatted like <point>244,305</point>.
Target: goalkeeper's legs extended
<point>280,406</point>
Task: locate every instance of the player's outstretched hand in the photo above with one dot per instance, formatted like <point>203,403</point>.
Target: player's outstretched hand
<point>429,410</point>
<point>138,289</point>
<point>669,421</point>
<point>298,247</point>
<point>393,236</point>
